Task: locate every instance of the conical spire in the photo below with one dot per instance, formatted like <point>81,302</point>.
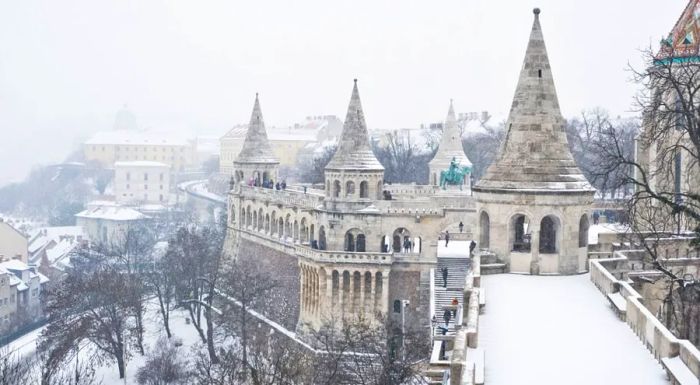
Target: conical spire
<point>535,154</point>
<point>450,143</point>
<point>354,152</point>
<point>256,148</point>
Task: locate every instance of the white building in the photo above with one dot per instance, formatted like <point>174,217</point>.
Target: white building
<point>107,224</point>
<point>20,294</point>
<point>13,244</point>
<point>141,182</point>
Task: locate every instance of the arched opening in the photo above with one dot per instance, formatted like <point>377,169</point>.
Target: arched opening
<point>249,217</point>
<point>312,233</point>
<point>349,241</point>
<point>364,189</point>
<point>549,227</point>
<point>280,227</point>
<point>583,231</point>
<point>520,226</point>
<point>368,290</point>
<point>233,214</point>
<point>288,226</point>
<point>354,240</point>
<point>273,223</point>
<point>243,218</point>
<point>360,243</point>
<point>356,289</point>
<point>322,238</point>
<point>336,189</point>
<point>349,188</point>
<point>484,230</point>
<point>304,231</point>
<point>267,223</point>
<point>335,289</point>
<point>346,289</point>
<point>378,288</point>
<point>296,231</point>
<point>260,219</point>
<point>401,240</point>
<point>255,220</point>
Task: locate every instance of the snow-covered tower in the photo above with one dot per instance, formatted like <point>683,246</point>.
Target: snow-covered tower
<point>533,202</point>
<point>450,148</point>
<point>354,176</point>
<point>256,163</point>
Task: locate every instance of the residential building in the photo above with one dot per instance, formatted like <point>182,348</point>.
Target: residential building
<point>141,182</point>
<point>106,223</point>
<point>13,244</point>
<point>20,294</point>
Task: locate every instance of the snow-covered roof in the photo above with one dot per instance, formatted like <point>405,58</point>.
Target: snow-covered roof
<point>14,264</point>
<point>140,163</point>
<point>60,251</point>
<point>112,213</point>
<point>143,138</point>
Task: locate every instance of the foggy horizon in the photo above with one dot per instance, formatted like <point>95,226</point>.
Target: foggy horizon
<point>68,67</point>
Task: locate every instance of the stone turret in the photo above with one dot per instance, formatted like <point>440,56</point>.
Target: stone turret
<point>256,162</point>
<point>354,176</point>
<point>450,148</point>
<point>533,202</point>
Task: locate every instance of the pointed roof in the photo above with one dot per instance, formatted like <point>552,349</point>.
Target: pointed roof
<point>354,151</point>
<point>450,143</point>
<point>256,147</point>
<point>684,39</point>
<point>535,154</point>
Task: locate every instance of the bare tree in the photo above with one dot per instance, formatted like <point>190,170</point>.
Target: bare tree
<point>164,366</point>
<point>403,159</point>
<point>483,147</point>
<point>664,172</point>
<point>312,169</point>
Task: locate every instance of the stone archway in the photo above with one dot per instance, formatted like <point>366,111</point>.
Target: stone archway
<point>484,230</point>
<point>520,233</point>
<point>549,230</point>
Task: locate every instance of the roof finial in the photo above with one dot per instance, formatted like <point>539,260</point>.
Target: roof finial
<point>536,11</point>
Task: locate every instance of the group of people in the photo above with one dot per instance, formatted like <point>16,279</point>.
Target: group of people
<point>269,183</point>
<point>447,315</point>
<point>407,245</point>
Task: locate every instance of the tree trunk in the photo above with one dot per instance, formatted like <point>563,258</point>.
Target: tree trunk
<point>210,336</point>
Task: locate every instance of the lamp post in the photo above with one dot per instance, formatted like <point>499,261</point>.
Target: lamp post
<point>404,305</point>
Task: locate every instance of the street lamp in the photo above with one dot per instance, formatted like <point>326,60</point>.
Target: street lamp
<point>404,305</point>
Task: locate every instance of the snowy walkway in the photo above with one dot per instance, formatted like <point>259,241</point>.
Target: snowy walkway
<point>558,330</point>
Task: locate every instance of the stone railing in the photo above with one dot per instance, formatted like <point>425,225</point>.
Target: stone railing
<point>289,197</point>
<point>610,278</point>
<point>414,190</point>
<point>326,256</point>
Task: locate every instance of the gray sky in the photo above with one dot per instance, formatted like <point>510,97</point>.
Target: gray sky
<point>67,66</point>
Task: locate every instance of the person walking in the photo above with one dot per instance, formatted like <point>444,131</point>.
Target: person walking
<point>596,217</point>
<point>284,184</point>
<point>444,277</point>
<point>447,316</point>
<point>447,238</point>
<point>461,226</point>
<point>472,246</point>
<point>455,302</point>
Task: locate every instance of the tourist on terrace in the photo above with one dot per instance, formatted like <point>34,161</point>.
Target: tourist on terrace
<point>461,227</point>
<point>455,302</point>
<point>447,237</point>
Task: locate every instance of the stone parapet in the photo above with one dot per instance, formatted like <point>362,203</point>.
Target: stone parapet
<point>291,198</point>
<point>324,256</point>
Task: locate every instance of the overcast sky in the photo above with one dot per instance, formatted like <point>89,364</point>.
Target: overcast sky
<point>67,66</point>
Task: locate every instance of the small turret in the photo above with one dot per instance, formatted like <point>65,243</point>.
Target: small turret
<point>256,163</point>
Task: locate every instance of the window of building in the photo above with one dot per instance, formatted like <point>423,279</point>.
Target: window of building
<point>145,187</point>
<point>161,187</point>
<point>145,176</point>
<point>161,197</point>
<point>162,176</point>
<point>128,176</point>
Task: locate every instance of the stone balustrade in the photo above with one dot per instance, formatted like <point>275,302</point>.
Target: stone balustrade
<point>653,334</point>
<point>289,197</point>
<point>326,256</point>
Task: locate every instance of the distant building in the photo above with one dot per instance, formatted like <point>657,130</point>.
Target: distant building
<point>13,244</point>
<point>141,182</point>
<point>123,146</point>
<point>287,143</point>
<point>20,294</point>
<point>50,247</point>
<point>106,223</point>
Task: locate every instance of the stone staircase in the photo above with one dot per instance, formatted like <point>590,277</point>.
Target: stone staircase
<point>490,264</point>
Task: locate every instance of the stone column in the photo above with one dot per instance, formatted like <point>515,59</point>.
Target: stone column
<point>385,291</point>
<point>351,294</point>
<point>372,289</point>
<point>341,288</point>
<point>535,251</point>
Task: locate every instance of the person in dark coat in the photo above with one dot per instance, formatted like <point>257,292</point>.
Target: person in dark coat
<point>277,186</point>
<point>596,217</point>
<point>447,316</point>
<point>461,226</point>
<point>447,238</point>
<point>284,184</point>
<point>444,277</point>
<point>472,246</point>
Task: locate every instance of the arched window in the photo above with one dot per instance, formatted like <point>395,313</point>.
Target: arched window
<point>288,226</point>
<point>401,240</point>
<point>364,189</point>
<point>280,227</point>
<point>360,243</point>
<point>349,188</point>
<point>303,231</point>
<point>380,189</point>
<point>484,230</point>
<point>260,219</point>
<point>273,223</point>
<point>520,226</point>
<point>336,189</point>
<point>296,231</point>
<point>322,238</point>
<point>548,235</point>
<point>267,223</point>
<point>583,231</point>
<point>233,214</point>
<point>349,242</point>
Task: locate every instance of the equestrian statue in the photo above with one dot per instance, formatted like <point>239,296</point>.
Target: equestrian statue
<point>454,176</point>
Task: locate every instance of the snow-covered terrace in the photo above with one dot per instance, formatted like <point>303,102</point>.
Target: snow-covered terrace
<point>558,330</point>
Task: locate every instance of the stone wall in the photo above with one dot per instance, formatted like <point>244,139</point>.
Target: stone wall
<point>284,269</point>
<point>413,286</point>
<point>653,334</point>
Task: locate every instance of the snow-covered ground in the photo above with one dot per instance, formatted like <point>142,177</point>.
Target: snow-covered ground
<point>454,249</point>
<point>605,228</point>
<point>108,373</point>
<point>558,330</point>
